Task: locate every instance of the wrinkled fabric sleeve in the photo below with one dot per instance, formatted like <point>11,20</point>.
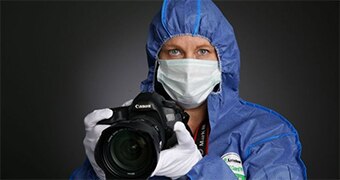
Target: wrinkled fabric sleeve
<point>277,157</point>
<point>85,172</point>
<point>211,167</point>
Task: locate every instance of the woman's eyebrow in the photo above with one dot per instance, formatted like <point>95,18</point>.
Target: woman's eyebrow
<point>206,46</point>
<point>170,46</point>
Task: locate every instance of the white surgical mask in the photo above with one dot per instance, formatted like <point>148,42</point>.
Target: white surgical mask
<point>188,81</point>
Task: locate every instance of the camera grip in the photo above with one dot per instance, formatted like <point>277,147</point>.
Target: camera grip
<point>172,140</point>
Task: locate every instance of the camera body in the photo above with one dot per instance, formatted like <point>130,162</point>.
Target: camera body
<point>130,147</point>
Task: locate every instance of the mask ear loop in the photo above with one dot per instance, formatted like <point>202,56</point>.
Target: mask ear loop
<point>155,74</point>
<point>158,87</point>
<point>218,87</point>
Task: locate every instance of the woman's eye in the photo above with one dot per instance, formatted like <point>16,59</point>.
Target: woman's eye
<point>203,52</point>
<point>174,52</point>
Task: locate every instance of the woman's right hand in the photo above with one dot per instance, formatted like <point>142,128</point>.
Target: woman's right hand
<point>93,132</point>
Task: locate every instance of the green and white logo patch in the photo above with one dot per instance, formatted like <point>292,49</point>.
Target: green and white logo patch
<point>234,162</point>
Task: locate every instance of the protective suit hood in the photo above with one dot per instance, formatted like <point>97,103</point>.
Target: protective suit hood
<point>238,127</point>
<point>202,19</point>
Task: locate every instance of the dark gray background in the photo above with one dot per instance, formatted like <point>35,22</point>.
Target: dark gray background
<point>61,60</point>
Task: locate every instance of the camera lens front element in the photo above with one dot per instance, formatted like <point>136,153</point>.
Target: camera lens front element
<point>130,150</point>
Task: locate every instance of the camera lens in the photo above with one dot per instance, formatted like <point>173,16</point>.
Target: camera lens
<point>130,150</point>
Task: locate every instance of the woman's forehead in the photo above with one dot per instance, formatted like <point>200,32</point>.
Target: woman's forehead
<point>187,41</point>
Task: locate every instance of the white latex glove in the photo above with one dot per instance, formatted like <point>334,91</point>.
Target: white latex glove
<point>178,160</point>
<point>93,133</point>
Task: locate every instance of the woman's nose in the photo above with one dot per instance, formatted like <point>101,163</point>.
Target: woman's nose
<point>189,55</point>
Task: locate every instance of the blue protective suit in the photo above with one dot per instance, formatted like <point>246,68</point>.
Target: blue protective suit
<point>267,144</point>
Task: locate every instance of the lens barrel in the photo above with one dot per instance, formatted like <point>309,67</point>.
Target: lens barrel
<point>129,149</point>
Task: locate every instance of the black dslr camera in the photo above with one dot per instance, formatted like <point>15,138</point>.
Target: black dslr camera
<point>130,147</point>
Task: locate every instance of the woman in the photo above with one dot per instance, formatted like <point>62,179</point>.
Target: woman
<point>193,59</point>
